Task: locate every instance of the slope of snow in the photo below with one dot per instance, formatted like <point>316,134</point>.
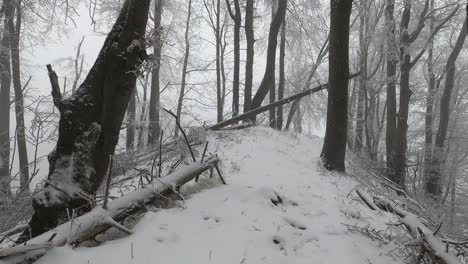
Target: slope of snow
<point>278,207</point>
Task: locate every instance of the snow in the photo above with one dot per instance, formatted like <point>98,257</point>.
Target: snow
<point>279,207</point>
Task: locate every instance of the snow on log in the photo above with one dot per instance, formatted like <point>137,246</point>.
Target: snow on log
<point>431,244</point>
<point>99,219</point>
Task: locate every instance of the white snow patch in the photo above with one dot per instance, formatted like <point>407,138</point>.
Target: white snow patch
<point>278,207</point>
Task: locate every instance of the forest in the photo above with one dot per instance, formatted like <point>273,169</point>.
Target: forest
<point>233,131</point>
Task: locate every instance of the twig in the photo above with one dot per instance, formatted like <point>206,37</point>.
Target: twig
<point>219,174</point>
<point>183,133</point>
<point>203,157</point>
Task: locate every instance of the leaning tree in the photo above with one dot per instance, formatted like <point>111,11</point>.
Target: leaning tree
<point>90,122</point>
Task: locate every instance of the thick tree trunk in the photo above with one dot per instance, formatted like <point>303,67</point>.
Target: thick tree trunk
<point>180,101</point>
<point>392,60</point>
<point>433,184</point>
<point>334,146</point>
<point>19,101</point>
<point>268,80</point>
<point>279,113</point>
<point>237,18</point>
<point>250,52</point>
<point>154,104</point>
<point>131,117</point>
<point>5,84</point>
<point>90,122</point>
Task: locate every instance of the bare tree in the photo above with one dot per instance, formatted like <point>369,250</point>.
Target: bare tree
<point>433,184</point>
<point>236,16</point>
<point>334,146</point>
<point>281,82</point>
<point>250,53</point>
<point>184,68</point>
<point>154,104</point>
<point>268,80</point>
<point>90,122</point>
<point>5,84</point>
<point>15,30</point>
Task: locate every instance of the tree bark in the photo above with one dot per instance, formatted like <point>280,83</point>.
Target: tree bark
<point>334,146</point>
<point>429,99</point>
<point>154,104</point>
<point>268,80</point>
<point>392,60</point>
<point>90,122</point>
<point>15,30</point>
<point>5,84</point>
<point>184,68</point>
<point>219,92</point>
<point>279,111</point>
<point>361,118</point>
<point>237,18</point>
<point>131,118</point>
<point>433,184</point>
<point>250,52</point>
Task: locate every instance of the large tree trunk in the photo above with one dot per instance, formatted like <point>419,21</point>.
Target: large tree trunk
<point>237,18</point>
<point>334,146</point>
<point>90,122</point>
<point>268,80</point>
<point>154,104</point>
<point>19,102</point>
<point>392,60</point>
<point>279,113</point>
<point>250,52</point>
<point>433,184</point>
<point>5,84</point>
<point>184,68</point>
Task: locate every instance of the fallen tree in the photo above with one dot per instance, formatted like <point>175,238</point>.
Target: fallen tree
<point>100,219</point>
<point>252,113</point>
<point>429,242</point>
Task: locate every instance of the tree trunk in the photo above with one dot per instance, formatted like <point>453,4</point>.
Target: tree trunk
<point>90,122</point>
<point>142,118</point>
<point>334,146</point>
<point>250,52</point>
<point>237,18</point>
<point>268,80</point>
<point>184,68</point>
<point>433,185</point>
<point>361,118</point>
<point>131,113</point>
<point>429,100</point>
<point>5,84</point>
<point>19,101</point>
<point>279,114</point>
<point>219,92</point>
<point>154,104</point>
<point>392,61</point>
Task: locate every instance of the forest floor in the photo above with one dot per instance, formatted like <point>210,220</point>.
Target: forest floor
<point>279,207</point>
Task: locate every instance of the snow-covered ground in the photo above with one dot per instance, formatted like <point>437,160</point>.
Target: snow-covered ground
<point>278,207</point>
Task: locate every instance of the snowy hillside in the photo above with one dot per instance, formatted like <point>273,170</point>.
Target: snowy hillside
<point>278,207</point>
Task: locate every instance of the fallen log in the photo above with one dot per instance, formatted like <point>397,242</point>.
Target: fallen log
<point>252,113</point>
<point>99,219</point>
<point>430,243</point>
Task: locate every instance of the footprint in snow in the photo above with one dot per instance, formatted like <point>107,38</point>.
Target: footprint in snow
<point>281,242</point>
<point>295,223</point>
